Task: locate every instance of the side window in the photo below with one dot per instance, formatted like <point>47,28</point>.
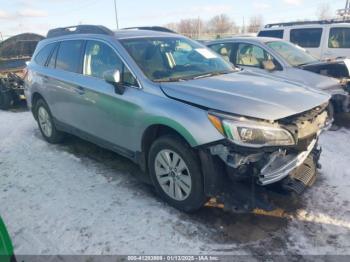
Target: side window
<point>100,58</point>
<point>339,38</point>
<point>254,56</point>
<point>69,55</point>
<point>224,49</point>
<point>306,37</point>
<point>52,60</point>
<point>271,33</point>
<point>43,54</point>
<point>250,55</point>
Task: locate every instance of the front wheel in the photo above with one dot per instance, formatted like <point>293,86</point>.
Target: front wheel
<point>176,174</point>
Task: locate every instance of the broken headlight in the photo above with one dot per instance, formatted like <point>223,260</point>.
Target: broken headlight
<point>250,133</point>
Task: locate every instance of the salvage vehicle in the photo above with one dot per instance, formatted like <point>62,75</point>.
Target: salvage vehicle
<point>280,59</point>
<point>189,119</point>
<point>324,39</point>
<point>6,248</point>
<point>14,52</point>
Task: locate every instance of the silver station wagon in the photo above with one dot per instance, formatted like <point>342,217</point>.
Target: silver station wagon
<point>198,127</point>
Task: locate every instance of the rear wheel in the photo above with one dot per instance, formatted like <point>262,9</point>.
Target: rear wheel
<point>46,125</point>
<point>176,174</point>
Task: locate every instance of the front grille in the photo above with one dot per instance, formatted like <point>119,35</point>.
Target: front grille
<point>306,126</point>
<point>302,177</point>
<point>310,115</point>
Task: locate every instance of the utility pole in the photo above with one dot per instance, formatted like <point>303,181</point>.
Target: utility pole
<point>199,27</point>
<point>345,13</point>
<point>116,14</point>
<point>243,26</point>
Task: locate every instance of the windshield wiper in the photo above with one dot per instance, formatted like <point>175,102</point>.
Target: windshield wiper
<point>186,78</point>
<point>170,79</point>
<point>213,74</point>
<point>303,64</point>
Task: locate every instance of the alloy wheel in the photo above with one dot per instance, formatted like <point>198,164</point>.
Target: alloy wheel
<point>45,121</point>
<point>173,175</point>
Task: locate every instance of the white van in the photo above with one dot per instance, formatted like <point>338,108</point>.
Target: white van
<point>323,39</point>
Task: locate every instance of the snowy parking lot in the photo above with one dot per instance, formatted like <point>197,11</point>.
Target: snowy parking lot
<point>77,198</point>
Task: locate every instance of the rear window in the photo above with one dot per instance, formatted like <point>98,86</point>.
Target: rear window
<point>43,54</point>
<point>339,38</point>
<point>271,33</point>
<point>306,37</point>
<point>69,56</point>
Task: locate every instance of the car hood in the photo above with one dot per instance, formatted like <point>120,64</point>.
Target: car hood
<point>246,94</point>
<point>307,78</point>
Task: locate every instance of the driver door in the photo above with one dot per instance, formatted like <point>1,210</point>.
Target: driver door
<point>104,114</point>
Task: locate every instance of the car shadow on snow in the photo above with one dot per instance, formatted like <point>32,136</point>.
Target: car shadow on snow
<point>212,225</point>
<point>19,107</point>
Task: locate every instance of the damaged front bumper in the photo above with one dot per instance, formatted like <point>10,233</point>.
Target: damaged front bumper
<point>277,165</point>
<point>281,165</point>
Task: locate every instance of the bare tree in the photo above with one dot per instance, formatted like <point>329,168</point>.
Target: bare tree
<point>221,24</point>
<point>172,26</point>
<point>255,24</point>
<point>191,27</point>
<point>324,11</point>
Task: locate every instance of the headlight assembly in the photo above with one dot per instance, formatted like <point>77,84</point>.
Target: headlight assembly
<point>250,133</point>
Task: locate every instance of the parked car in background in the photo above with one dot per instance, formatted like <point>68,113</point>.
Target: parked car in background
<point>193,122</point>
<point>327,39</point>
<point>273,57</point>
<point>14,52</point>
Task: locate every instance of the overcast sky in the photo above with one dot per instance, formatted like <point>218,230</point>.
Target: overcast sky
<point>17,16</point>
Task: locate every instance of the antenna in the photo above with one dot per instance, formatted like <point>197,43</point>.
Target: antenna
<point>116,13</point>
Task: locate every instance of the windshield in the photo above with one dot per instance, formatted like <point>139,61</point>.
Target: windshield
<point>175,59</point>
<point>294,55</point>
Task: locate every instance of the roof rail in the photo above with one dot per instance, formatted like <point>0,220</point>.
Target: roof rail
<point>151,28</point>
<point>320,22</point>
<point>79,29</point>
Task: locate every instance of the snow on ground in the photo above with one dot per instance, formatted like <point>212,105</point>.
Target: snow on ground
<point>77,198</point>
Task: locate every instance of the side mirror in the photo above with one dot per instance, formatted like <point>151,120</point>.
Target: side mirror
<point>269,65</point>
<point>113,77</point>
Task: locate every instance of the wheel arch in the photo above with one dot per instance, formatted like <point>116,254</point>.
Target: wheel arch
<point>34,99</point>
<point>154,131</point>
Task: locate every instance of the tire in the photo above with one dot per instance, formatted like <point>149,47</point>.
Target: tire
<point>6,99</point>
<point>183,189</point>
<point>46,124</point>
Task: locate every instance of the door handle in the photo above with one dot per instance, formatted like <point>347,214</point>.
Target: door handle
<point>80,90</point>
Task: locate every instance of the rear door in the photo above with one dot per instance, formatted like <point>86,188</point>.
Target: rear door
<point>64,81</point>
<point>308,38</point>
<point>337,42</point>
